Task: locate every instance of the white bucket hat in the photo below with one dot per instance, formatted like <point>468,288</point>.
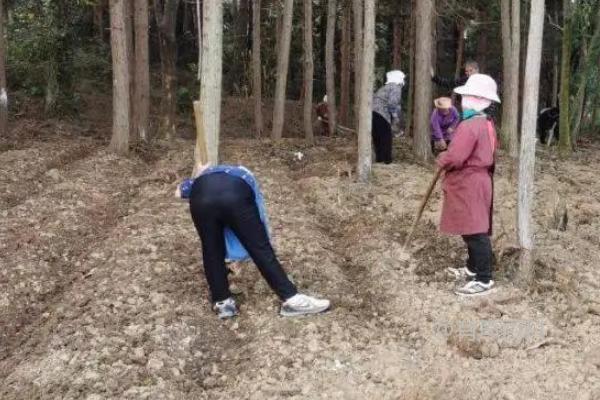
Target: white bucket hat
<point>480,85</point>
<point>396,76</point>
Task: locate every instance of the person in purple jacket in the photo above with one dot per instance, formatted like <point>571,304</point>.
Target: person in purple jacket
<point>444,120</point>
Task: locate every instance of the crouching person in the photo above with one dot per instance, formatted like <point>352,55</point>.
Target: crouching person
<point>468,182</point>
<point>228,211</point>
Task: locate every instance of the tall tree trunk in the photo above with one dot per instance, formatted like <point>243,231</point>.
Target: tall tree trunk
<point>283,60</point>
<point>308,72</point>
<point>199,25</point>
<point>460,48</point>
<point>555,79</point>
<point>345,67</point>
<point>423,89</point>
<point>330,66</point>
<point>564,140</point>
<point>256,69</point>
<point>141,104</point>
<point>365,96</point>
<point>166,19</point>
<point>511,39</point>
<point>99,20</point>
<point>212,74</point>
<point>587,54</point>
<point>397,41</point>
<point>3,89</point>
<point>411,82</point>
<point>528,139</point>
<point>357,12</point>
<point>121,79</point>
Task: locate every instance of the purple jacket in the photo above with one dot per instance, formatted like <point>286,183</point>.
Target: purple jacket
<point>440,124</point>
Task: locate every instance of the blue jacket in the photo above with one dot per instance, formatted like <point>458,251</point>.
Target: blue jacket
<point>235,250</point>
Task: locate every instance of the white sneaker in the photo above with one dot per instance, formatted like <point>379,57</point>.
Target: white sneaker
<point>226,308</point>
<point>301,304</point>
<point>475,288</point>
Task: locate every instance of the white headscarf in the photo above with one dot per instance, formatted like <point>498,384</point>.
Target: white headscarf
<point>475,103</point>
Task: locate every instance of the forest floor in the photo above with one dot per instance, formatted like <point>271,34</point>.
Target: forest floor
<point>102,293</point>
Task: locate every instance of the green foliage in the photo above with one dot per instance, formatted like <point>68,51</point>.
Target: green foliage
<point>49,50</point>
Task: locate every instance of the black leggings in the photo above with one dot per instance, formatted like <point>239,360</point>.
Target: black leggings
<point>218,200</point>
<point>381,130</point>
<point>479,248</point>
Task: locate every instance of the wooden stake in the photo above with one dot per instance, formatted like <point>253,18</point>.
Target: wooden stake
<point>200,151</point>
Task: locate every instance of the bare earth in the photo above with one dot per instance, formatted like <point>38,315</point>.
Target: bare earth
<point>102,293</point>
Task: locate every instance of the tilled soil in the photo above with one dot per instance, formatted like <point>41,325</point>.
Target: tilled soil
<point>102,293</point>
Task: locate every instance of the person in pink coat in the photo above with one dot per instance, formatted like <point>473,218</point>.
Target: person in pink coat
<point>468,182</point>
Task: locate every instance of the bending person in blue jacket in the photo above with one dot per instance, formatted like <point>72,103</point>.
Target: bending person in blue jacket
<point>228,211</point>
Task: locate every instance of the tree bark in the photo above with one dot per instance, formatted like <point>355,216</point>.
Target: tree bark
<point>199,25</point>
<point>411,82</point>
<point>330,66</point>
<point>555,79</point>
<point>3,88</point>
<point>397,42</point>
<point>212,75</point>
<point>511,38</point>
<point>166,19</point>
<point>587,53</point>
<point>282,70</point>
<point>564,140</point>
<point>121,79</point>
<point>365,96</point>
<point>423,88</point>
<point>257,69</point>
<point>99,20</point>
<point>528,139</point>
<point>357,11</point>
<point>345,67</point>
<point>308,72</point>
<point>460,48</point>
<point>141,104</point>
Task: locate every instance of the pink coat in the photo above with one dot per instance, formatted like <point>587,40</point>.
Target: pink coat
<point>467,182</point>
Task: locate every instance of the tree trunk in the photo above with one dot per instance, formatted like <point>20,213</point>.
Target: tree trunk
<point>282,70</point>
<point>141,104</point>
<point>587,53</point>
<point>564,140</point>
<point>357,11</point>
<point>411,82</point>
<point>99,20</point>
<point>121,79</point>
<point>212,73</point>
<point>528,139</point>
<point>3,89</point>
<point>330,66</point>
<point>423,89</point>
<point>166,19</point>
<point>256,69</point>
<point>511,47</point>
<point>199,28</point>
<point>397,41</point>
<point>345,67</point>
<point>555,79</point>
<point>308,72</point>
<point>366,91</point>
<point>460,48</point>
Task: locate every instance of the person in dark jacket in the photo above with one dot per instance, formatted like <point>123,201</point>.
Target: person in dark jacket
<point>228,211</point>
<point>471,68</point>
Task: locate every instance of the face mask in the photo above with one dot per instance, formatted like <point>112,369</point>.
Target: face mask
<point>475,103</point>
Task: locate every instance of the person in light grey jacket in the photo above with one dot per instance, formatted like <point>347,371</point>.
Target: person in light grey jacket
<point>386,108</point>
